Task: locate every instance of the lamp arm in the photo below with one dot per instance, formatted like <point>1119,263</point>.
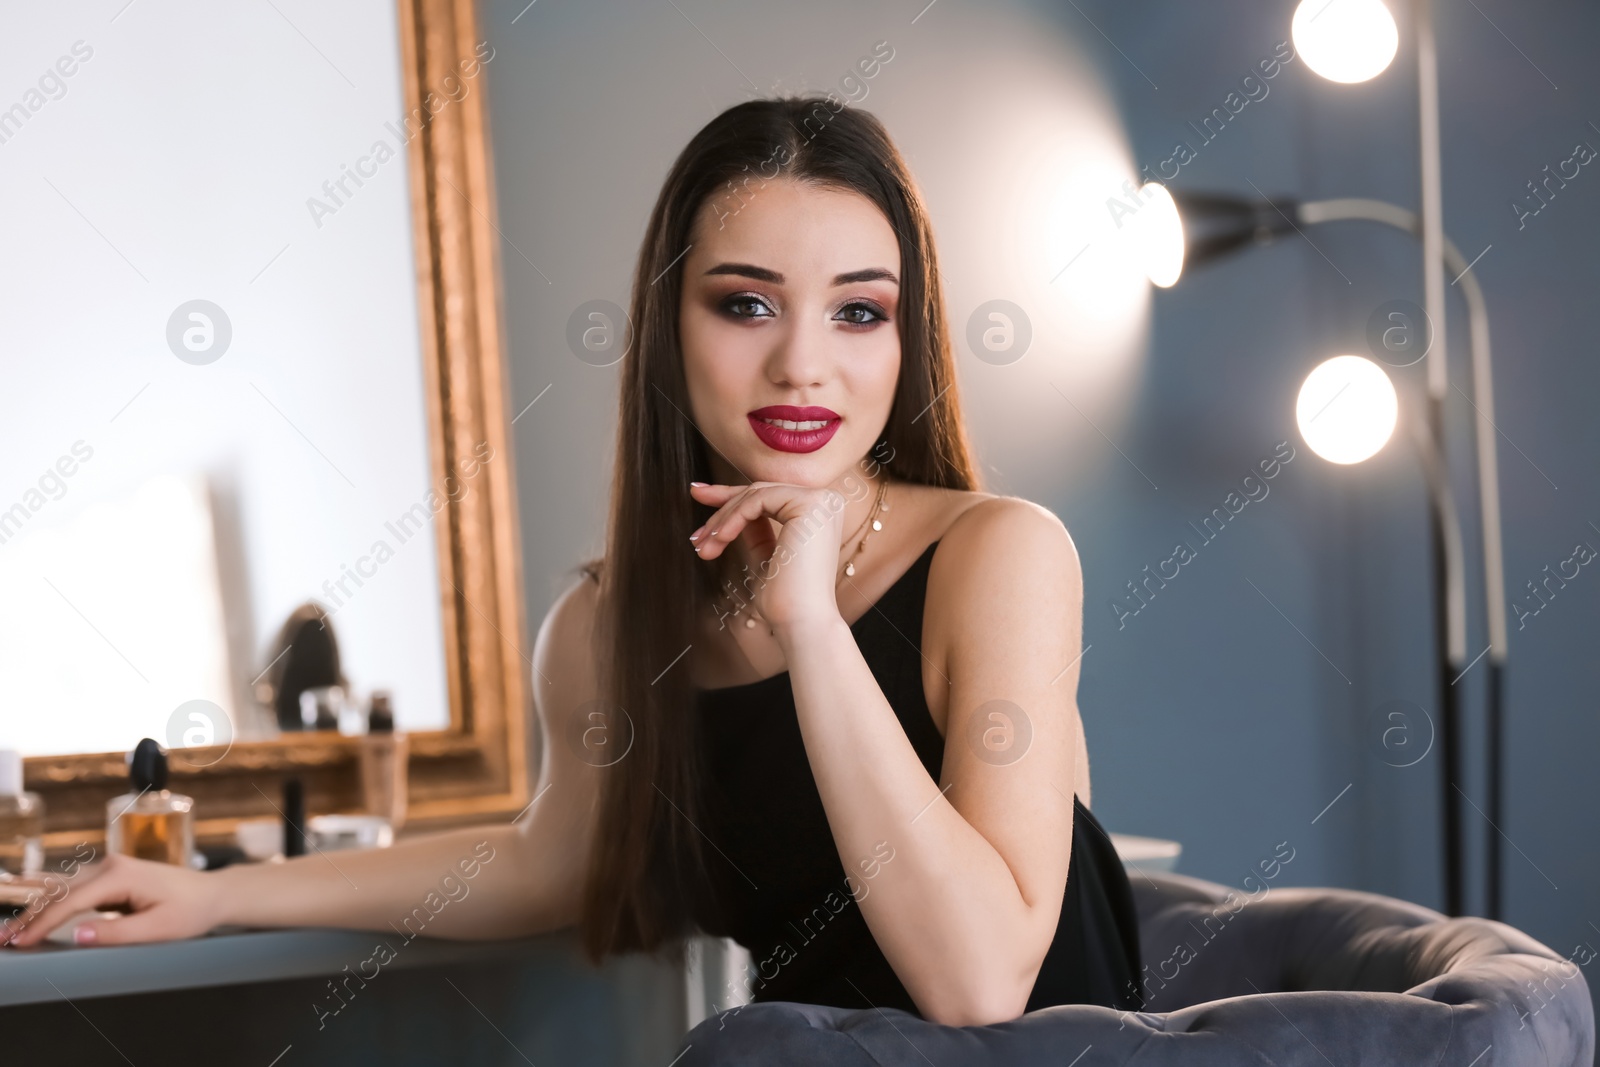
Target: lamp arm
<point>1319,211</point>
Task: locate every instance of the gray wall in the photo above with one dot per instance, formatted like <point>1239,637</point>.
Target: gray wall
<point>1234,709</point>
<point>1259,732</point>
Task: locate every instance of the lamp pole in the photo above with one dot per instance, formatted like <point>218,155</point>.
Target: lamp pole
<point>1355,49</point>
<point>1488,477</point>
<point>1216,225</point>
<point>1453,662</point>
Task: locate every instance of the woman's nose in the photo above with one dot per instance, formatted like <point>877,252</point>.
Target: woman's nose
<point>801,355</point>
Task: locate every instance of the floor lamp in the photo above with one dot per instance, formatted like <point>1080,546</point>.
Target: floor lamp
<point>1352,41</point>
<point>1214,226</point>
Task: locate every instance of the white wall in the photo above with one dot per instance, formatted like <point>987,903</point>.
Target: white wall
<point>175,163</point>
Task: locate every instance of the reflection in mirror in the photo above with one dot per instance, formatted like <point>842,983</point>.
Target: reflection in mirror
<point>305,663</point>
<point>215,440</point>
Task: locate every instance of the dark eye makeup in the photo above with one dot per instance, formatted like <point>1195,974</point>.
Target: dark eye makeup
<point>875,314</point>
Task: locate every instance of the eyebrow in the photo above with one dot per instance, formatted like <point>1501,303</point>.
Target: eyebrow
<point>762,274</point>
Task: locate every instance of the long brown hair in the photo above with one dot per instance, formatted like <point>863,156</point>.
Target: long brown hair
<point>647,855</point>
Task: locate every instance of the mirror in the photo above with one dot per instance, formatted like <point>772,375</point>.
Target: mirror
<point>255,441</point>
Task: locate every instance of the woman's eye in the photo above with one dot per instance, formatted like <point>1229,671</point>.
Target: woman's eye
<point>874,314</point>
<point>748,306</point>
<point>733,304</point>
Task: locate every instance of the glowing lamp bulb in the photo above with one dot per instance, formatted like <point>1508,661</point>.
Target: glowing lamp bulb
<point>1157,232</point>
<point>1345,40</point>
<point>1347,409</point>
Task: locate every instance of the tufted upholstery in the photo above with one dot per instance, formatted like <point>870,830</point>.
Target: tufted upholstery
<point>1293,976</point>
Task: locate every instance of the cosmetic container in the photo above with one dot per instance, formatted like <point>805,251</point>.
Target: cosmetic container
<point>21,819</point>
<point>332,833</point>
<point>321,707</point>
<point>151,822</point>
<point>294,817</point>
<point>384,754</point>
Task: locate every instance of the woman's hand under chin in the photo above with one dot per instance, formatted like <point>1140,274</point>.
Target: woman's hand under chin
<point>794,576</point>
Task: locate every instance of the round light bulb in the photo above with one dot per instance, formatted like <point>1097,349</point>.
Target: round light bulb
<point>1157,233</point>
<point>1347,409</point>
<point>1345,40</point>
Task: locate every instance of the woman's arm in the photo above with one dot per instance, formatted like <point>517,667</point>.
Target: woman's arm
<point>967,907</point>
<point>477,869</point>
<point>501,880</point>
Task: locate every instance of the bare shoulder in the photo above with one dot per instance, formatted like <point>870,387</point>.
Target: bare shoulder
<point>559,830</point>
<point>1001,559</point>
<point>565,675</point>
<point>563,651</point>
<point>990,534</point>
<point>1004,610</point>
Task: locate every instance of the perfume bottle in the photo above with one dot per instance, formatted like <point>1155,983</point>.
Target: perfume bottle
<point>21,820</point>
<point>322,707</point>
<point>151,822</point>
<point>384,755</point>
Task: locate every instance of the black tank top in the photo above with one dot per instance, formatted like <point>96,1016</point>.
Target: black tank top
<point>773,880</point>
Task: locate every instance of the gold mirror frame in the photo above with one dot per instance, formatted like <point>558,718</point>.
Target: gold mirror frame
<point>476,769</point>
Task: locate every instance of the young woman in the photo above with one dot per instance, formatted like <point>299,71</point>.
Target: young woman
<point>819,694</point>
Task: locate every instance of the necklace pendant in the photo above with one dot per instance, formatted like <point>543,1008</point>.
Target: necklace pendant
<point>849,570</point>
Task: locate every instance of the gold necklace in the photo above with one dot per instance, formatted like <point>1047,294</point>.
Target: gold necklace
<point>871,524</point>
<point>878,505</point>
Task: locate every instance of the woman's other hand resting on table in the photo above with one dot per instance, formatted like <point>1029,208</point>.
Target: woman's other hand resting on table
<point>164,902</point>
<point>526,877</point>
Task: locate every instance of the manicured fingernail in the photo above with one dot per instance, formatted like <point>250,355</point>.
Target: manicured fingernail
<point>84,935</point>
<point>698,485</point>
<point>696,535</point>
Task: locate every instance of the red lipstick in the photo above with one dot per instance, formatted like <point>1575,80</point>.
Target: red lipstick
<point>805,437</point>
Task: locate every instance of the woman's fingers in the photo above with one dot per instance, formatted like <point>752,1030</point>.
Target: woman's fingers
<point>59,899</point>
<point>729,518</point>
<point>711,493</point>
<point>152,924</point>
<point>742,505</point>
<point>715,496</point>
<point>737,515</point>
